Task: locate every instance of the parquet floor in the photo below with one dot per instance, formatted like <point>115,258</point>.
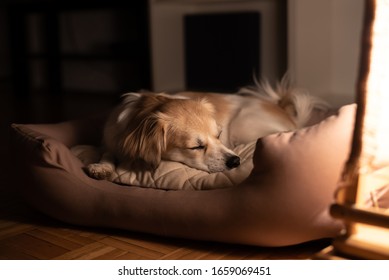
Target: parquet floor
<point>27,234</point>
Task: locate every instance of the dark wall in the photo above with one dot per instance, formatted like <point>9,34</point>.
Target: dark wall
<point>90,46</point>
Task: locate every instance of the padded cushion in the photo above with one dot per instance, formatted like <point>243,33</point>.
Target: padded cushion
<point>174,175</point>
<point>284,201</point>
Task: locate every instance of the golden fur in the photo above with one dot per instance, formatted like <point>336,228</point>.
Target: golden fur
<point>197,129</point>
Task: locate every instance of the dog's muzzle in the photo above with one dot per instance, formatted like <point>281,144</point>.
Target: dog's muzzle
<point>233,162</point>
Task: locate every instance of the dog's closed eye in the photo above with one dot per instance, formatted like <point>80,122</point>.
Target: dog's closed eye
<point>200,147</point>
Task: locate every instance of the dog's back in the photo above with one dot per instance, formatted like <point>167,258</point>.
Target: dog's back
<point>260,110</point>
<point>296,102</point>
<point>142,129</point>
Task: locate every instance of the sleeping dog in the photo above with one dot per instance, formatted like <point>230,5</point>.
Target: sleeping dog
<point>198,129</point>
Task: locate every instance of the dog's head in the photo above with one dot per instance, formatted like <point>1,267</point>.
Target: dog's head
<point>176,129</point>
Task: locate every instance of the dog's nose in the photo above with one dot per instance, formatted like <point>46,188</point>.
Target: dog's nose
<point>233,161</point>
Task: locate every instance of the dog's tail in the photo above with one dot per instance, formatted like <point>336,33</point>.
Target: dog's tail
<point>298,103</point>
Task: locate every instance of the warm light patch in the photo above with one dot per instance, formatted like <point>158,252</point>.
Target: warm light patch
<point>366,176</point>
<point>374,158</point>
<point>372,235</point>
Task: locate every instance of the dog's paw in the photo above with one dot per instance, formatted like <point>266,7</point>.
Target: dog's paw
<point>100,171</point>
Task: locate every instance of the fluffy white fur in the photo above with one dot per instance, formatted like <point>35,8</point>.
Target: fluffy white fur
<point>198,129</point>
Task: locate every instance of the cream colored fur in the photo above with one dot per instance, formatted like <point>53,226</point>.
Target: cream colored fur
<point>198,129</point>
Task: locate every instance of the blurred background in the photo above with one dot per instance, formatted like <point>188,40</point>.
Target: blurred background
<point>63,58</point>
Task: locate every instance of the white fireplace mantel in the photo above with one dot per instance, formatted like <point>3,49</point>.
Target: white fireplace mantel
<point>167,36</point>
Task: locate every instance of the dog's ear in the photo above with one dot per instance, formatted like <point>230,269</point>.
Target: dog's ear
<point>128,101</point>
<point>147,141</point>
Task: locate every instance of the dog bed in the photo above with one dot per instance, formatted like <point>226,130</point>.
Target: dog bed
<point>283,201</point>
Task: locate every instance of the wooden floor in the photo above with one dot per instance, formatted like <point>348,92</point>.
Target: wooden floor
<point>28,234</point>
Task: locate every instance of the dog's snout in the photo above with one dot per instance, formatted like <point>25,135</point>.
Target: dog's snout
<point>233,161</point>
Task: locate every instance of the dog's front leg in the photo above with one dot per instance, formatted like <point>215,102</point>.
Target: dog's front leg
<point>104,170</point>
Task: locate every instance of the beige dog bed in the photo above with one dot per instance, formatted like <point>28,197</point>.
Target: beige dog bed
<point>284,200</point>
